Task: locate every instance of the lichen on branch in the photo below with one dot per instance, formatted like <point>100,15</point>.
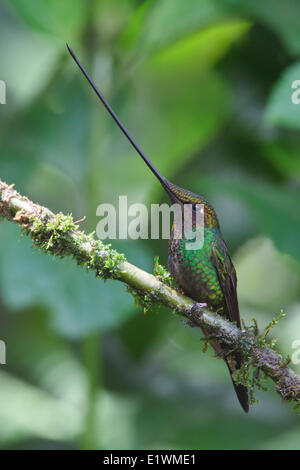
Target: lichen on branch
<point>59,235</point>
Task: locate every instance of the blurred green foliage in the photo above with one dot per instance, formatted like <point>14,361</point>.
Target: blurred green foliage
<point>205,88</point>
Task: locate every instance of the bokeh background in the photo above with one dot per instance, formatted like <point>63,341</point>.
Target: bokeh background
<point>205,88</point>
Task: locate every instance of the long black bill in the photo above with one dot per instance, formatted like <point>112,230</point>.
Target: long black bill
<point>154,170</point>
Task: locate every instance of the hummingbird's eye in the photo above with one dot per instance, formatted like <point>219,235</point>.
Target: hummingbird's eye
<point>196,207</point>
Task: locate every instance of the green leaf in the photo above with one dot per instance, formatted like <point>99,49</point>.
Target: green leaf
<point>200,50</point>
<point>59,127</point>
<point>284,157</point>
<point>282,17</point>
<point>28,411</point>
<point>53,16</point>
<point>35,57</point>
<point>267,278</point>
<point>280,109</point>
<point>169,20</point>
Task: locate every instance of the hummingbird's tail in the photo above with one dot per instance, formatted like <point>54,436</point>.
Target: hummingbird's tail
<point>240,390</point>
<point>234,363</point>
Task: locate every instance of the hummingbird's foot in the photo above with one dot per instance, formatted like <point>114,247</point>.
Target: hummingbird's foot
<point>197,305</point>
<point>194,312</point>
<point>180,290</point>
<point>195,309</point>
<point>201,305</point>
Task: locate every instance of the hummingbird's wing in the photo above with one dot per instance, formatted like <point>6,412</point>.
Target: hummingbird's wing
<point>227,279</point>
<point>228,282</point>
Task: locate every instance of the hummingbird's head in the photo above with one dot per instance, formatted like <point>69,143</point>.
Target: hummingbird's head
<point>183,196</point>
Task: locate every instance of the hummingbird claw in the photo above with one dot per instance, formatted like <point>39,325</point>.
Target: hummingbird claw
<point>180,290</point>
<point>195,309</point>
<point>197,305</point>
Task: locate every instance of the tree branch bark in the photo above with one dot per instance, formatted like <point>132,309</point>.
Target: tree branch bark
<point>60,236</point>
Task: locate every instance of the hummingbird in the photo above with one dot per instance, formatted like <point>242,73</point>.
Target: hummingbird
<point>205,274</point>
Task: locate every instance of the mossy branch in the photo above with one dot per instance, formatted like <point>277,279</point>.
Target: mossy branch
<point>58,235</point>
